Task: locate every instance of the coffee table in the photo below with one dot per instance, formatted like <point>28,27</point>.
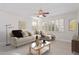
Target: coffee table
<point>42,48</point>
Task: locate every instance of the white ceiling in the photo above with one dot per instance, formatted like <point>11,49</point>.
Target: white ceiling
<point>25,9</point>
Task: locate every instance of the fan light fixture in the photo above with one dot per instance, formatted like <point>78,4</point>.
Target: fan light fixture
<point>41,13</point>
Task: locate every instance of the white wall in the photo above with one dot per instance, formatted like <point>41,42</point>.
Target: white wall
<point>78,20</point>
<point>78,16</point>
<point>6,18</point>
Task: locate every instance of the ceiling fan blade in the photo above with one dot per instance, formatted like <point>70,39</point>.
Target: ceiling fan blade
<point>46,12</point>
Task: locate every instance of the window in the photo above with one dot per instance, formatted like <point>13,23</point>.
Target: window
<point>54,25</point>
<point>58,25</point>
<point>61,25</point>
<point>36,23</point>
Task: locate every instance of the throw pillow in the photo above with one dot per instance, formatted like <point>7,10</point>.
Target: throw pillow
<point>25,34</point>
<point>17,33</point>
<point>29,34</point>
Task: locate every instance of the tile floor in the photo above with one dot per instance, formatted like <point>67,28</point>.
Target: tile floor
<point>57,48</point>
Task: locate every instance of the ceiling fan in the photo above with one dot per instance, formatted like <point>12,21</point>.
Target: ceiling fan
<point>42,13</point>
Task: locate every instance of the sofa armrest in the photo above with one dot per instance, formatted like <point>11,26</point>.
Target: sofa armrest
<point>13,41</point>
<point>14,38</point>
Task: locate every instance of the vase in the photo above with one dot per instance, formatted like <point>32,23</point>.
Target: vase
<point>37,41</point>
<point>44,41</point>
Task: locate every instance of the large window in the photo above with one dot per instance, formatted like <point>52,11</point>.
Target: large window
<point>59,25</point>
<point>53,25</point>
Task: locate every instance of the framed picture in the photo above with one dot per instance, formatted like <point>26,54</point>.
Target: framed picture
<point>72,25</point>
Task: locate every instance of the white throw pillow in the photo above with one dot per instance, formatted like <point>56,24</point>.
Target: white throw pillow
<point>25,34</point>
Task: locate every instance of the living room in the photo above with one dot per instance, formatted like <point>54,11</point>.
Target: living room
<point>55,20</point>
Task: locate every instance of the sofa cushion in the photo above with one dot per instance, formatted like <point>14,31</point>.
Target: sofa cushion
<point>17,33</point>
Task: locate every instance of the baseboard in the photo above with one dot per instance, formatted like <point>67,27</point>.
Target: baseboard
<point>65,40</point>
